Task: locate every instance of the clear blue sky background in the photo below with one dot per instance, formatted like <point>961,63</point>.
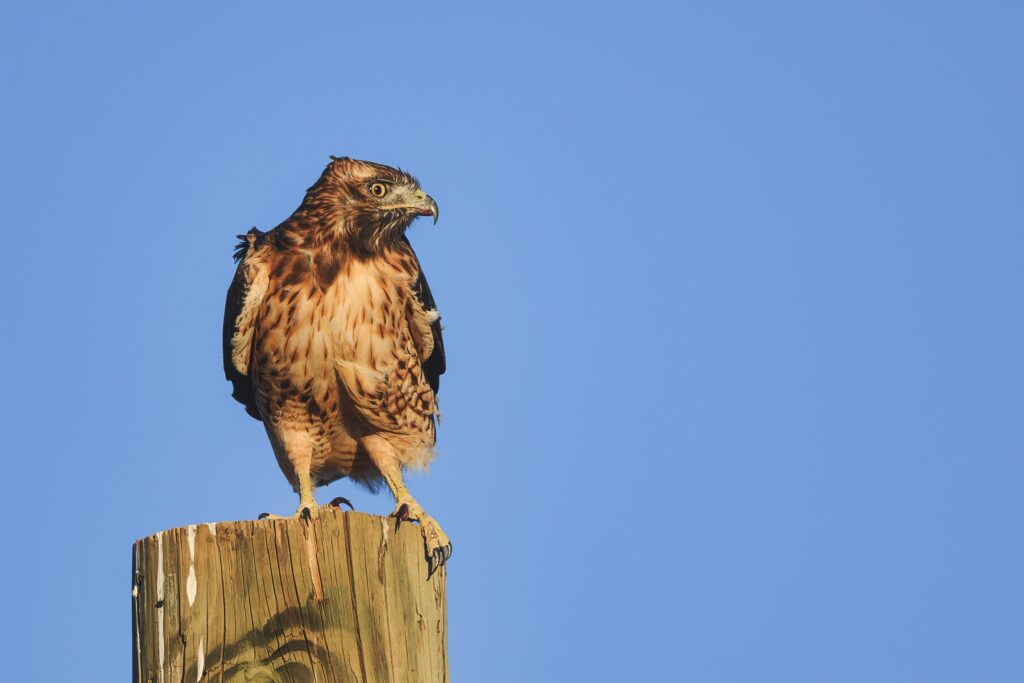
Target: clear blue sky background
<point>733,306</point>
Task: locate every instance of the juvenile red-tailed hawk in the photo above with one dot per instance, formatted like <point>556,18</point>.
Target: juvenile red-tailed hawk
<point>332,339</point>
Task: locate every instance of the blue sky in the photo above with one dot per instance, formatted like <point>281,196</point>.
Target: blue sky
<point>732,294</point>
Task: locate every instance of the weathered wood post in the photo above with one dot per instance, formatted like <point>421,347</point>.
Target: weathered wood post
<point>343,597</point>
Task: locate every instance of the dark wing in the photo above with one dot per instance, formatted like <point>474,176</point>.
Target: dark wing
<point>434,366</point>
<point>238,322</point>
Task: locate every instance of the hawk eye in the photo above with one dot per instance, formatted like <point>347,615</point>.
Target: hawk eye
<point>379,189</point>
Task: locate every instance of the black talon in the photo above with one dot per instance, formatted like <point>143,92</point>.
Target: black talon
<point>437,559</point>
<point>401,513</point>
<point>306,513</point>
<point>336,503</point>
<point>263,515</point>
<point>430,567</point>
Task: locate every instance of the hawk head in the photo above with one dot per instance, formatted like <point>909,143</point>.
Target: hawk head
<point>369,203</point>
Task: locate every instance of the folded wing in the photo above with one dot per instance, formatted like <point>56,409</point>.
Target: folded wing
<point>245,296</point>
<point>391,356</point>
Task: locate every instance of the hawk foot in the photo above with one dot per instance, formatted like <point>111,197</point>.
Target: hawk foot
<point>310,510</point>
<point>437,547</point>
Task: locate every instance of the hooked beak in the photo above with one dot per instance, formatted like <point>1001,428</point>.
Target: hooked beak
<point>424,206</point>
<point>427,205</point>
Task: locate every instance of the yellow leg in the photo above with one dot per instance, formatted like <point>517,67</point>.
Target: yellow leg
<point>306,499</point>
<point>296,449</point>
<point>438,547</point>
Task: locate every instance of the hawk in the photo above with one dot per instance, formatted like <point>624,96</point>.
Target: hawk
<point>332,338</point>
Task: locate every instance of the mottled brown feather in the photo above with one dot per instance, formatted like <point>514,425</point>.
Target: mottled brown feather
<point>331,332</point>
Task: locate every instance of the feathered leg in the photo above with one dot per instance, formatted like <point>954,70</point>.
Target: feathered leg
<point>438,547</point>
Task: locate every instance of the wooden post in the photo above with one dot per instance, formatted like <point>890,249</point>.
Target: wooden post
<point>342,597</point>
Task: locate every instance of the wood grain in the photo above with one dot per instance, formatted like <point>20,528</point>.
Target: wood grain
<point>343,597</point>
